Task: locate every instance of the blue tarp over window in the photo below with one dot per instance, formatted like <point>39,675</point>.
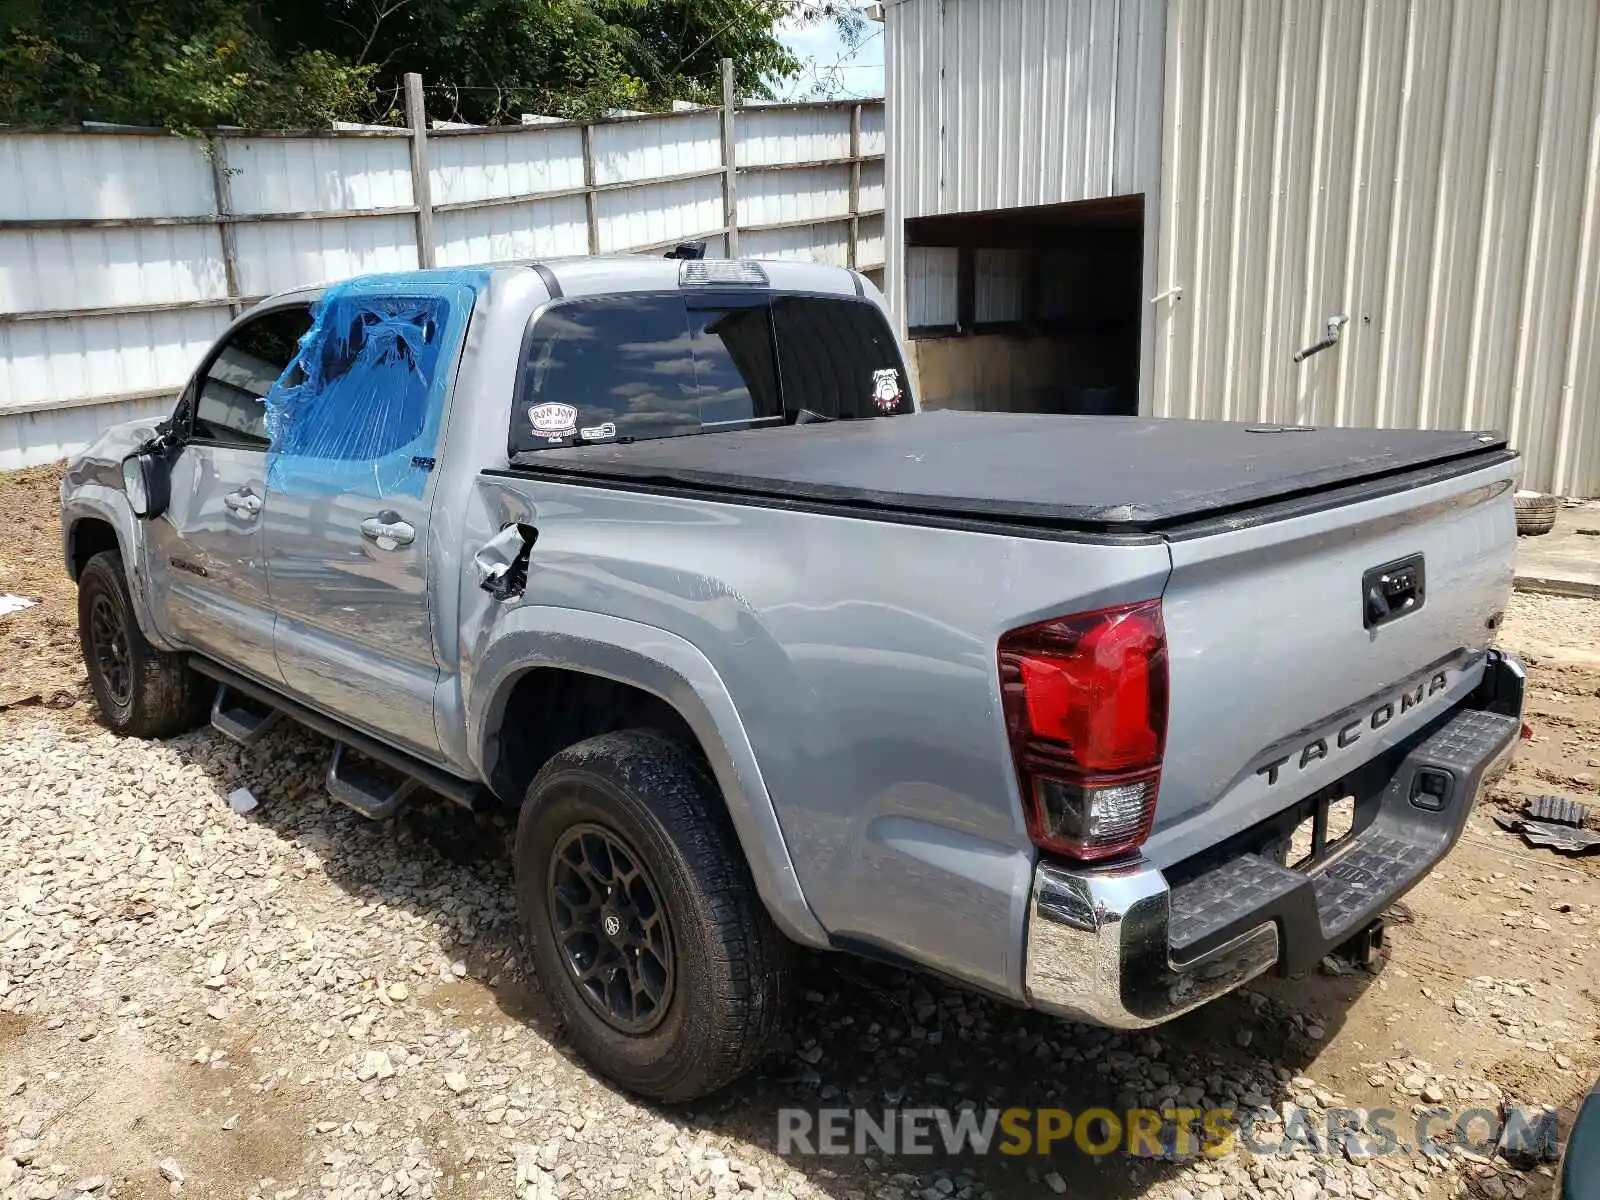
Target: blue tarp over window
<point>365,395</point>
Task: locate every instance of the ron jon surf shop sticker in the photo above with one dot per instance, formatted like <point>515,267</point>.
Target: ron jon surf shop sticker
<point>553,421</point>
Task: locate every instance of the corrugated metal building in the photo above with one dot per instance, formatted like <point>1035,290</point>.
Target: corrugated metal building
<point>1152,205</point>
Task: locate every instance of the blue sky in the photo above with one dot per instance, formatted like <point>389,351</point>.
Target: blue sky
<point>832,69</point>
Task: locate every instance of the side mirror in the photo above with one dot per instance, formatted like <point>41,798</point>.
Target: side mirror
<point>147,481</point>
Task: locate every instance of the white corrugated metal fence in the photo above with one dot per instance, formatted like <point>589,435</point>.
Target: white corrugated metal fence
<point>124,253</point>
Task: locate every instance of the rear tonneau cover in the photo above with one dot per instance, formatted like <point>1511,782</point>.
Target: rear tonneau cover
<point>1115,474</point>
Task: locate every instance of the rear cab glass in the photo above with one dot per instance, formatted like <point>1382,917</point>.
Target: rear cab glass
<point>651,365</point>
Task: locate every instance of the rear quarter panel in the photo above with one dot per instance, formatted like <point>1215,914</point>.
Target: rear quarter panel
<point>860,659</point>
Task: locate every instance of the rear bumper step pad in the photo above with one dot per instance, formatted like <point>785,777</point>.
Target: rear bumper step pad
<point>1400,831</point>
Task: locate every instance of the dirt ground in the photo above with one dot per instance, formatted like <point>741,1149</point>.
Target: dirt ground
<point>298,1003</point>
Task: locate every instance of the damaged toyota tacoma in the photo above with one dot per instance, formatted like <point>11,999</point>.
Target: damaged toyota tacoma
<point>1101,716</point>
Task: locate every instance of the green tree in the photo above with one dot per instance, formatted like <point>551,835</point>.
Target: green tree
<point>188,64</point>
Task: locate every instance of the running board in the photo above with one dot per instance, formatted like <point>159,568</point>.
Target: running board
<point>238,723</point>
<point>466,792</point>
<point>370,796</point>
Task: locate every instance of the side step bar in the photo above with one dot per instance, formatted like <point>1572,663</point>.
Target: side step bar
<point>237,722</point>
<point>465,792</point>
<point>368,795</point>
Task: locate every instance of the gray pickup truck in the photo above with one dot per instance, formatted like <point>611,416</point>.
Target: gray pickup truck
<point>1101,716</point>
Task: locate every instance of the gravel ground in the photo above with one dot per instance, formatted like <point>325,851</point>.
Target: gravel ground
<point>298,1003</point>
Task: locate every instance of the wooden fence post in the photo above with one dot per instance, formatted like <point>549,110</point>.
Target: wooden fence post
<point>730,169</point>
<point>421,192</point>
<point>591,204</point>
<point>223,190</point>
<point>855,186</point>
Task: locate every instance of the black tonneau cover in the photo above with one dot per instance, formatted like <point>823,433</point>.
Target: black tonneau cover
<point>1115,473</point>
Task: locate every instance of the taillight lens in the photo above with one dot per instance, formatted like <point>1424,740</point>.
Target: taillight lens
<point>1085,702</point>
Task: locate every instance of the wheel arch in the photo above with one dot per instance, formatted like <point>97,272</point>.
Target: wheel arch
<point>652,679</point>
<point>95,518</point>
<point>87,536</point>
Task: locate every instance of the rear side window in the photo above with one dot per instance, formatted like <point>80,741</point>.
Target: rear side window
<point>652,366</point>
<point>362,387</point>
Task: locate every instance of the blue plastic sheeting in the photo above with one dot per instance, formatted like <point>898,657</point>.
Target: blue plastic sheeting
<point>362,405</point>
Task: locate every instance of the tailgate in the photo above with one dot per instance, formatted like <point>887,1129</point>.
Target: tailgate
<point>1282,678</point>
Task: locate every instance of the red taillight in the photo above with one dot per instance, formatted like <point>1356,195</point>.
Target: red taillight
<point>1086,706</point>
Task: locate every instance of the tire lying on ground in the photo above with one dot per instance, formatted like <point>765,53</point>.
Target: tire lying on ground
<point>643,920</point>
<point>1536,513</point>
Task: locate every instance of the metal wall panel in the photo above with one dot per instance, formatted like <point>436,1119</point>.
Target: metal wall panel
<point>656,213</point>
<point>874,139</point>
<point>931,274</point>
<point>63,378</point>
<point>673,145</point>
<point>1429,168</point>
<point>278,175</point>
<point>1004,103</point>
<point>872,189</point>
<point>869,248</point>
<point>1000,285</point>
<point>787,135</point>
<point>768,197</point>
<point>507,233</point>
<point>277,255</point>
<point>91,268</point>
<point>829,243</point>
<point>39,437</point>
<point>101,176</point>
<point>505,164</point>
<point>41,361</point>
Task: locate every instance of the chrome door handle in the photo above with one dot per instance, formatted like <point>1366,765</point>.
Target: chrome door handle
<point>388,531</point>
<point>244,502</point>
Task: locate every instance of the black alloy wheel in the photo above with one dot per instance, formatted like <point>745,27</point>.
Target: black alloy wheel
<point>608,919</point>
<point>108,644</point>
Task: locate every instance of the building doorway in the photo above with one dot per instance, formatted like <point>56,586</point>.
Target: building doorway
<point>1028,309</point>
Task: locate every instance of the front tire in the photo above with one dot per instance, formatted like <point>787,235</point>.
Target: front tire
<point>643,920</point>
<point>141,691</point>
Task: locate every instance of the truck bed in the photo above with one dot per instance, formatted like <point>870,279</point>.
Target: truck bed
<point>1120,475</point>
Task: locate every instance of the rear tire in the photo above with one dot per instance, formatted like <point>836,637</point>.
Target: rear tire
<point>631,885</point>
<point>141,691</point>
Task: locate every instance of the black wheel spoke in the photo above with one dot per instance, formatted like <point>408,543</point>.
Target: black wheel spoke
<point>108,649</point>
<point>606,914</point>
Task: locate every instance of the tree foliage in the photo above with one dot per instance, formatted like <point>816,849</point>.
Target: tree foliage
<point>188,64</point>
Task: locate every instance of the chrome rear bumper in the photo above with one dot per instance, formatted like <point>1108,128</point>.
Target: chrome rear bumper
<point>1098,950</point>
<point>1100,940</point>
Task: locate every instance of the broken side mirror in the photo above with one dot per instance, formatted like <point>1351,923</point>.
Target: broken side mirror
<point>502,564</point>
<point>147,482</point>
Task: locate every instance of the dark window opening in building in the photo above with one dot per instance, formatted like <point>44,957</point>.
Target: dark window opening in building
<point>1028,309</point>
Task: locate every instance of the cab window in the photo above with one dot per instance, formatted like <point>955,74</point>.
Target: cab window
<point>230,399</point>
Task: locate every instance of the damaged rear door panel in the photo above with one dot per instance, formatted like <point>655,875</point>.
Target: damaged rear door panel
<point>356,426</point>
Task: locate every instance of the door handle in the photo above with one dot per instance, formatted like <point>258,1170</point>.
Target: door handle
<point>388,530</point>
<point>244,502</point>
